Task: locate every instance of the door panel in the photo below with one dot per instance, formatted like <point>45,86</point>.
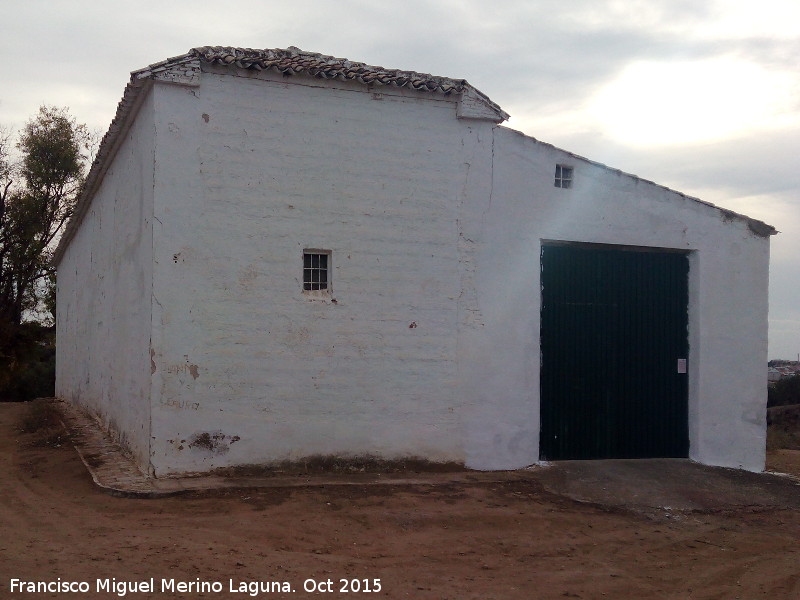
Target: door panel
<point>613,327</point>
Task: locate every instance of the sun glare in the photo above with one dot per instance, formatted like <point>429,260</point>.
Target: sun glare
<point>661,103</point>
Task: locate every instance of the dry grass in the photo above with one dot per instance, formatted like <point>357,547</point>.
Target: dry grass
<point>783,427</point>
<point>43,418</point>
<point>780,439</point>
<point>41,413</point>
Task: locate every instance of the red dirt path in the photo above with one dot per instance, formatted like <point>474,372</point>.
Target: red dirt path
<point>487,540</point>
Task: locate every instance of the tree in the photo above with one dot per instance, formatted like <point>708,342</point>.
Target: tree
<point>37,197</point>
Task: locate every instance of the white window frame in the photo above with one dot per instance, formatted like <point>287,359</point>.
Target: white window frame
<point>316,279</point>
<point>565,175</point>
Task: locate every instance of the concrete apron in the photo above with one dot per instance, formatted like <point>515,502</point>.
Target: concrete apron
<point>669,484</point>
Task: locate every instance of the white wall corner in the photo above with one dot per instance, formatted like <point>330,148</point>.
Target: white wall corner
<point>473,105</point>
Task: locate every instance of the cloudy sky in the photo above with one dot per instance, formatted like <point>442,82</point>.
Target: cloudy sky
<point>701,96</point>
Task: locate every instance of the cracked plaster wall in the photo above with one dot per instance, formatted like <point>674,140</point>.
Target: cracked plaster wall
<point>104,281</point>
<point>250,172</point>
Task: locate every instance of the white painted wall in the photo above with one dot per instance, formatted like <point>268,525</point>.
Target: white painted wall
<point>435,224</point>
<point>275,167</point>
<point>727,305</point>
<point>104,288</point>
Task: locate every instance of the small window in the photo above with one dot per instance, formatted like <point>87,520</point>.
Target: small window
<point>316,270</point>
<point>563,176</point>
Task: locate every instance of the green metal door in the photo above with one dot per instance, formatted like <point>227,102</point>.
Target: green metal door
<point>614,348</point>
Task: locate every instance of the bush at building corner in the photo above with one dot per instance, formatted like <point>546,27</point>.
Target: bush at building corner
<point>29,372</point>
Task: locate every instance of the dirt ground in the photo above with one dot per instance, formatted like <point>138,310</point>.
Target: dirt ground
<point>485,540</point>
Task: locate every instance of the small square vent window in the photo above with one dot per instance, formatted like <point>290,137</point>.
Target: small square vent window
<point>316,270</point>
<point>563,176</point>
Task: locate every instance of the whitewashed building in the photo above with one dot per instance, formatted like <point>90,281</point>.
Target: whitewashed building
<point>281,254</point>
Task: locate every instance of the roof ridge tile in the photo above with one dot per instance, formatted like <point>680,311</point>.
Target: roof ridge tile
<point>295,60</point>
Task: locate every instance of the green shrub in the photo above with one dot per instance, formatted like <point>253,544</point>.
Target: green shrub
<point>784,391</point>
<point>30,371</point>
